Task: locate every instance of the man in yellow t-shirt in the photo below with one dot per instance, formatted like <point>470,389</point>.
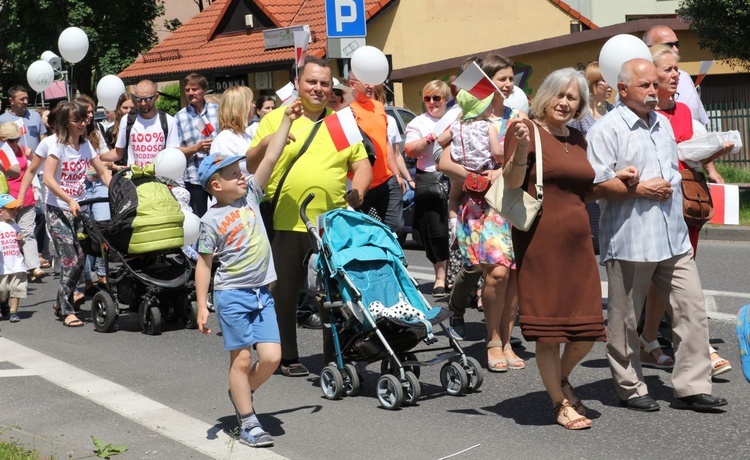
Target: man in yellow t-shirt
<point>320,170</point>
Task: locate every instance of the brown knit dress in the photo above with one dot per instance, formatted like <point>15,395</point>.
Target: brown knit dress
<point>558,280</point>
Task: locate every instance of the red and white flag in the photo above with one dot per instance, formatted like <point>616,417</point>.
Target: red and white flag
<point>203,127</point>
<point>726,199</point>
<point>343,129</point>
<point>286,94</point>
<point>301,39</point>
<point>21,126</point>
<point>705,66</point>
<point>7,157</point>
<point>474,81</point>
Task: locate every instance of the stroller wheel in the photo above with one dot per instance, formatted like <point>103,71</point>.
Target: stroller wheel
<point>191,314</point>
<point>454,379</point>
<point>103,312</point>
<point>390,393</point>
<point>331,382</point>
<point>150,318</point>
<point>387,366</point>
<point>474,371</point>
<point>352,382</point>
<point>412,389</point>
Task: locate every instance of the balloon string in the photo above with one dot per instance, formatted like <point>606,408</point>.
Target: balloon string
<point>295,134</point>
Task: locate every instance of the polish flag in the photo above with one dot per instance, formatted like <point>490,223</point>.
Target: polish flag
<point>343,129</point>
<point>476,82</point>
<point>705,65</point>
<point>7,157</point>
<point>21,126</point>
<point>204,128</point>
<point>301,39</point>
<point>286,94</point>
<point>726,199</point>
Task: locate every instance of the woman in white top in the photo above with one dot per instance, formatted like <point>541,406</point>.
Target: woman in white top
<point>234,111</point>
<point>64,174</point>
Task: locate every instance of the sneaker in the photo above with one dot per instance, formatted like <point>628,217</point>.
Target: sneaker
<point>457,328</point>
<point>14,318</point>
<point>262,439</point>
<point>294,369</point>
<point>312,322</point>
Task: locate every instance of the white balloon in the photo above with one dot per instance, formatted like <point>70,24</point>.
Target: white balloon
<point>170,163</point>
<point>40,75</point>
<point>73,44</point>
<point>616,52</point>
<point>517,100</point>
<point>370,65</point>
<point>191,228</point>
<point>108,91</point>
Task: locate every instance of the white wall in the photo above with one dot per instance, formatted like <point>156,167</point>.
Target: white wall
<point>183,10</point>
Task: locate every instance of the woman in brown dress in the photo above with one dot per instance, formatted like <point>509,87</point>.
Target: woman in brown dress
<point>558,280</point>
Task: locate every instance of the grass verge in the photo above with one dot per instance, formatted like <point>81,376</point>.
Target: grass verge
<point>12,451</point>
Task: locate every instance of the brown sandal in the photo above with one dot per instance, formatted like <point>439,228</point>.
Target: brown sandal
<point>575,401</point>
<point>563,418</point>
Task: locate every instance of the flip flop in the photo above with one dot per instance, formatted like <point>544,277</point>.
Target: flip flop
<point>743,337</point>
<point>76,322</point>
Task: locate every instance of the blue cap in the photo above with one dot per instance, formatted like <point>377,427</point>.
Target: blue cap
<point>7,201</point>
<point>212,164</point>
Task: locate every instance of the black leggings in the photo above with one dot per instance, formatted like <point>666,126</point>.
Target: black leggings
<point>431,218</point>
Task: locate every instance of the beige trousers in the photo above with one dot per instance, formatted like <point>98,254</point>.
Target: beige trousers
<point>679,285</point>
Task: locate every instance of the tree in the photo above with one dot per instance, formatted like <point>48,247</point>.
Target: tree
<point>200,3</point>
<point>169,99</point>
<point>118,32</point>
<point>722,26</point>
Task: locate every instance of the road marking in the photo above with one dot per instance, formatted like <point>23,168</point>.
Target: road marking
<point>422,274</point>
<point>16,373</point>
<point>151,414</point>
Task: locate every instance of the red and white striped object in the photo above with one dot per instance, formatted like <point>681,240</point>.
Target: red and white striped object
<point>343,129</point>
<point>21,126</point>
<point>726,199</point>
<point>204,128</point>
<point>301,39</point>
<point>286,93</point>
<point>474,81</point>
<point>7,157</point>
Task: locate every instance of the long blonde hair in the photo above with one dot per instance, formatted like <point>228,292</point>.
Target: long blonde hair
<point>235,108</point>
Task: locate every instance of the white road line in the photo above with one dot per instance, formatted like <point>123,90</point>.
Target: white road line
<point>16,373</point>
<point>146,412</point>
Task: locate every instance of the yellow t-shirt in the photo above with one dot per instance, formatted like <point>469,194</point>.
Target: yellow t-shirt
<point>320,170</point>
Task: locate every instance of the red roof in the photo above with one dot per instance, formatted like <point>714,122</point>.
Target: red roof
<point>575,14</point>
<point>194,48</point>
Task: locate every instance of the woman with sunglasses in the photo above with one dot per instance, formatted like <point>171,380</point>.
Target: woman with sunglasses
<point>64,175</point>
<point>430,209</point>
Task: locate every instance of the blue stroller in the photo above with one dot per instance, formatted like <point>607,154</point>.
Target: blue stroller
<point>376,313</point>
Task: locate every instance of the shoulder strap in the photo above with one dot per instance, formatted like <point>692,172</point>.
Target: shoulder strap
<point>164,125</point>
<point>307,143</point>
<point>538,160</point>
<point>129,127</point>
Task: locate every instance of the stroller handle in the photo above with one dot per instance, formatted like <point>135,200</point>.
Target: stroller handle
<point>303,212</point>
<point>88,201</point>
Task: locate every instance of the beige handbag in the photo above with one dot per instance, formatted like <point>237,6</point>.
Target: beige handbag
<point>515,205</point>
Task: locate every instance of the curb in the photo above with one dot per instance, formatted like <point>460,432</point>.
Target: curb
<point>45,447</point>
<point>725,233</point>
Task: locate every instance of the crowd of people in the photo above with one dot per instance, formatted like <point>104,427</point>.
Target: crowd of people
<point>250,165</point>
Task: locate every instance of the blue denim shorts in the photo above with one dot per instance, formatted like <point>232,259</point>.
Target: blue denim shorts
<point>247,317</point>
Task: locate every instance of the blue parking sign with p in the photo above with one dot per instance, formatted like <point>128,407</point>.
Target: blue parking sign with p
<point>345,18</point>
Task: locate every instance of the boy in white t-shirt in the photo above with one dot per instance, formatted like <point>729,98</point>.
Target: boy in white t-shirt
<point>13,278</point>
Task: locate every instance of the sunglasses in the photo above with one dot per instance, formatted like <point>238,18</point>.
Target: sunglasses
<point>146,99</point>
<point>676,44</point>
<point>432,98</point>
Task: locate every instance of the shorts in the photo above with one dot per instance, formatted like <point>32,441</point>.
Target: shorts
<point>13,286</point>
<point>247,317</point>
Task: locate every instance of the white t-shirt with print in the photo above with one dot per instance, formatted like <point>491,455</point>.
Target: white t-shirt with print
<point>231,144</point>
<point>12,257</point>
<point>146,138</point>
<point>71,171</point>
<point>43,148</point>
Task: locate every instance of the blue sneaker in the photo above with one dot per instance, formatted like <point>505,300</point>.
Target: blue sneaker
<point>262,439</point>
<point>457,328</point>
<point>14,318</point>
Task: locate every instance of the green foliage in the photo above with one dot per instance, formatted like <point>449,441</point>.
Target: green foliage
<point>722,26</point>
<point>172,24</point>
<point>733,174</point>
<point>12,451</point>
<point>118,32</point>
<point>107,450</point>
<point>169,100</point>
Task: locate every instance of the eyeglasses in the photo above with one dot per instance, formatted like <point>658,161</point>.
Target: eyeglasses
<point>675,44</point>
<point>78,122</point>
<point>146,99</point>
<point>432,98</point>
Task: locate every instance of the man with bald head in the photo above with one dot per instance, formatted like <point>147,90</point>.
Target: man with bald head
<point>644,238</point>
<point>145,131</point>
<point>686,92</point>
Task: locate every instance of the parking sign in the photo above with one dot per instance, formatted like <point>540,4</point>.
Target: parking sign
<point>345,18</point>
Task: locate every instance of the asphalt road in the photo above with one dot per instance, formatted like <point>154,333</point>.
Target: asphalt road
<point>164,397</point>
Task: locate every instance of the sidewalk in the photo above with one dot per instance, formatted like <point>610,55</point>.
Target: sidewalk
<point>725,233</point>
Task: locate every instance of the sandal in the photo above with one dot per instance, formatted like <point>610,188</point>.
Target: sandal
<point>719,365</point>
<point>515,362</point>
<point>575,401</point>
<point>44,263</point>
<point>74,322</point>
<point>564,419</point>
<point>57,311</point>
<point>496,365</point>
<point>653,357</point>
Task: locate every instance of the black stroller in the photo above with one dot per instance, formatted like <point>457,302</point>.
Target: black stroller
<point>146,270</point>
<point>376,312</point>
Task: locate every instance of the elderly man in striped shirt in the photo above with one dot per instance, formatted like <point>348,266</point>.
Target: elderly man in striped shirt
<point>643,238</point>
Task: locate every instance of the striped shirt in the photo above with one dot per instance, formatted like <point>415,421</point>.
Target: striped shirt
<point>186,124</point>
<point>638,229</point>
